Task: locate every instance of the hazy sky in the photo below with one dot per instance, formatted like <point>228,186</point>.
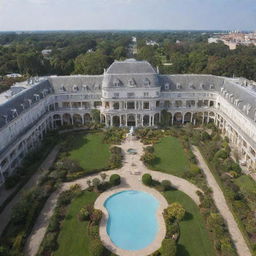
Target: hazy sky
<point>127,14</point>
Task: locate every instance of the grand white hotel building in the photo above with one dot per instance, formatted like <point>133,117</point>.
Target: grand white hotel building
<point>129,93</point>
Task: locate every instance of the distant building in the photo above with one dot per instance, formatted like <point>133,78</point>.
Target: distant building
<point>152,43</point>
<point>14,75</point>
<point>46,52</point>
<point>213,40</point>
<point>233,39</point>
<point>129,93</point>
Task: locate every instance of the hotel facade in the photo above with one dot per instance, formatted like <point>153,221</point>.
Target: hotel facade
<point>129,93</point>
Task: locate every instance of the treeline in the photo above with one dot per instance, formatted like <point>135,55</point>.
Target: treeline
<point>91,52</point>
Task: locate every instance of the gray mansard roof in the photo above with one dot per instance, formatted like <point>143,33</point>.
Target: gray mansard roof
<point>137,74</point>
<point>23,100</point>
<point>130,66</point>
<point>76,83</point>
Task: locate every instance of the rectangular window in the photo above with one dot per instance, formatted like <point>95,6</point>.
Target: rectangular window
<point>146,94</point>
<point>130,94</point>
<point>146,105</point>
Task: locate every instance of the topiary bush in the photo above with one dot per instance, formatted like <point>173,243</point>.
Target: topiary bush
<point>115,180</point>
<point>166,185</point>
<point>147,179</point>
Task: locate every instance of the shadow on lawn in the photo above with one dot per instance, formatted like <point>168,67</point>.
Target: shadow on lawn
<point>181,250</point>
<point>188,216</point>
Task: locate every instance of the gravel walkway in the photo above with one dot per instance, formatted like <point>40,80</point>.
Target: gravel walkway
<point>5,216</point>
<point>222,206</point>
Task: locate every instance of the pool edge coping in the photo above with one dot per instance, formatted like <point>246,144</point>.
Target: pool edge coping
<point>152,247</point>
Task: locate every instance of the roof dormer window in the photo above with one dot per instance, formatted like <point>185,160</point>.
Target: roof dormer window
<point>191,86</point>
<point>14,113</point>
<point>167,86</point>
<point>178,86</point>
<point>202,86</point>
<point>131,83</point>
<point>37,97</point>
<point>116,82</point>
<point>211,86</point>
<point>63,89</point>
<point>146,82</point>
<point>75,88</point>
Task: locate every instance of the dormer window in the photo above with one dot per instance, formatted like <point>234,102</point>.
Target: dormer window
<point>116,83</point>
<point>63,88</point>
<point>44,92</point>
<point>131,83</point>
<point>146,82</point>
<point>14,112</point>
<point>22,105</point>
<point>202,86</point>
<point>211,86</point>
<point>5,117</point>
<point>29,102</point>
<point>167,86</point>
<point>37,97</point>
<point>75,88</point>
<point>191,86</point>
<point>178,86</point>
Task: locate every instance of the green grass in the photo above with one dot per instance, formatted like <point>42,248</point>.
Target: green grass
<point>171,157</point>
<point>73,238</point>
<point>90,151</point>
<point>246,184</point>
<point>194,239</point>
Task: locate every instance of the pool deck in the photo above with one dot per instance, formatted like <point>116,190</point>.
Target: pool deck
<point>155,245</point>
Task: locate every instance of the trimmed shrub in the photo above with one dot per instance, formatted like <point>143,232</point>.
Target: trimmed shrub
<point>147,179</point>
<point>115,180</point>
<point>175,211</point>
<point>166,185</point>
<point>83,214</point>
<point>96,216</point>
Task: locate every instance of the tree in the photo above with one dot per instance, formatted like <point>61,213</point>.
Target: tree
<point>175,211</point>
<point>92,63</point>
<point>95,113</point>
<point>30,63</point>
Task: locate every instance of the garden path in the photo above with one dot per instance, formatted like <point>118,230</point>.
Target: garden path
<point>220,201</point>
<point>131,173</point>
<point>5,215</point>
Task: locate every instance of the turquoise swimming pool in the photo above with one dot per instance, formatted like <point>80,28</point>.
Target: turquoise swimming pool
<point>132,223</point>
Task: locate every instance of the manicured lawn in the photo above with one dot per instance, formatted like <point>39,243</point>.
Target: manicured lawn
<point>73,238</point>
<point>194,239</point>
<point>90,151</point>
<point>246,184</point>
<point>171,157</point>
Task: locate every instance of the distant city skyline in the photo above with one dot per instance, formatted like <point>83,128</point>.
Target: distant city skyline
<point>25,15</point>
